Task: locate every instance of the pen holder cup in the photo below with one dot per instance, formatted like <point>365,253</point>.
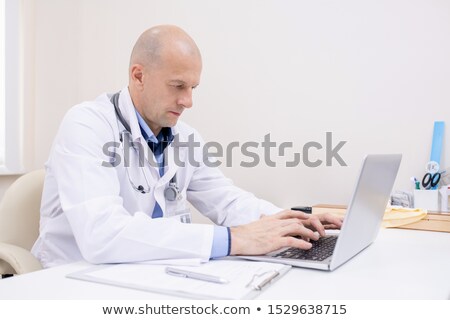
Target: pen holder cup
<point>427,199</point>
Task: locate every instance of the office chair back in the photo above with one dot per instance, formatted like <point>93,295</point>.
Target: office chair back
<point>19,217</point>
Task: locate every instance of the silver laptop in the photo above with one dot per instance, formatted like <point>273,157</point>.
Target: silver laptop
<point>361,224</point>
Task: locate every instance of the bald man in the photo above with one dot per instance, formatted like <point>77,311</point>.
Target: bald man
<point>120,176</point>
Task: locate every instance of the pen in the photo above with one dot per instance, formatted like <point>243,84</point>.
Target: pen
<point>195,275</point>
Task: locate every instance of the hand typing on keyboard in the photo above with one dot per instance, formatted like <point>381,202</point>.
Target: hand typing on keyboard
<point>321,249</point>
<point>285,229</point>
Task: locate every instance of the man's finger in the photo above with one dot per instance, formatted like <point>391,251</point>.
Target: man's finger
<point>317,225</point>
<point>287,214</point>
<point>298,230</point>
<point>331,226</point>
<point>327,218</point>
<point>285,222</point>
<point>294,242</point>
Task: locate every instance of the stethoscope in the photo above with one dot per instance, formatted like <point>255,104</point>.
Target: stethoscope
<point>171,193</point>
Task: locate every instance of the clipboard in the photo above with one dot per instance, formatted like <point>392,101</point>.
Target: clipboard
<point>246,279</point>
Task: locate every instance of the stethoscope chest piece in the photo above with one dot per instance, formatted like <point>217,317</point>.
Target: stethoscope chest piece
<point>171,193</point>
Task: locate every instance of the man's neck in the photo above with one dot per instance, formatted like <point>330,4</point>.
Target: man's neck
<point>155,129</point>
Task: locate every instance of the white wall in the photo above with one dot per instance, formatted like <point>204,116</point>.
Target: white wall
<point>375,73</point>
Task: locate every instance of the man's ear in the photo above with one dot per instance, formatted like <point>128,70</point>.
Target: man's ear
<point>137,75</point>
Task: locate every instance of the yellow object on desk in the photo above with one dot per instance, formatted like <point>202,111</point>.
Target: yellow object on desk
<point>394,216</point>
<point>398,216</point>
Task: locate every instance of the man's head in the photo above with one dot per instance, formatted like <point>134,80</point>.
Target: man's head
<point>165,67</point>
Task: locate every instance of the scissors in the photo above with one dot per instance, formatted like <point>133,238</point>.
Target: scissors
<point>431,180</point>
<point>432,177</point>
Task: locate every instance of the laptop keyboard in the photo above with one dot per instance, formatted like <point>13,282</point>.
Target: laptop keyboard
<point>321,249</point>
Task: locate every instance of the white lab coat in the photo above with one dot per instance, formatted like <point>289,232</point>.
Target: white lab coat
<point>92,212</point>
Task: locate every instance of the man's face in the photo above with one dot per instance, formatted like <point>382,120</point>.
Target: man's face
<point>167,89</point>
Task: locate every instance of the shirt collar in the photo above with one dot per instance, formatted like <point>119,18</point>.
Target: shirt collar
<point>164,135</point>
<point>145,129</point>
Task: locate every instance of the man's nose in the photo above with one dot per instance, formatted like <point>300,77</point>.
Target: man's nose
<point>186,99</point>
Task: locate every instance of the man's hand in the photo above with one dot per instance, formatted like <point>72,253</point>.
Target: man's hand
<point>274,232</point>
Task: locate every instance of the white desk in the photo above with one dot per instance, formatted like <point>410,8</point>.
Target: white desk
<point>400,264</point>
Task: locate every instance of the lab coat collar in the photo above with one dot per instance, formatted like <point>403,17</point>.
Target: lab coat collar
<point>127,108</point>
